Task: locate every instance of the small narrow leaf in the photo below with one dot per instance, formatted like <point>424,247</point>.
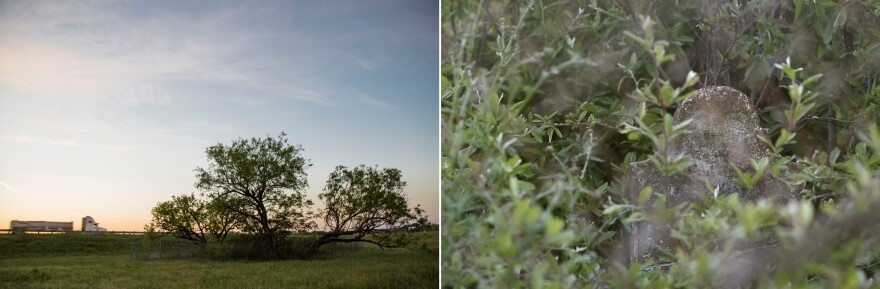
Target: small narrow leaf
<point>835,153</point>
<point>683,124</point>
<point>811,79</point>
<point>644,195</point>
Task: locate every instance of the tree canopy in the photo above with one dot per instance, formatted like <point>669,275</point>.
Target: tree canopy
<point>256,186</point>
<point>366,204</point>
<point>192,218</point>
<point>262,180</point>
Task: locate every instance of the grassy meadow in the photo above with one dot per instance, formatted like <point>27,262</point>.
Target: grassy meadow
<point>41,245</point>
<point>41,261</point>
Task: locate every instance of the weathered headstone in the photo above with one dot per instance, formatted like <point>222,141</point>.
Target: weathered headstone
<point>723,133</point>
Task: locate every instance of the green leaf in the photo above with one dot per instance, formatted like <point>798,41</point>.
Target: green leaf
<point>629,158</point>
<point>644,195</point>
<point>633,136</point>
<point>604,237</point>
<point>512,163</point>
<point>683,163</point>
<point>745,179</point>
<point>614,209</point>
<point>780,165</point>
<point>765,140</point>
<point>811,79</point>
<point>505,245</point>
<point>785,138</point>
<point>873,138</point>
<point>667,123</point>
<point>761,164</point>
<point>554,225</point>
<point>683,124</point>
<point>601,189</point>
<point>656,161</point>
<point>642,42</point>
<point>652,71</point>
<point>835,153</point>
<point>862,150</point>
<point>827,33</point>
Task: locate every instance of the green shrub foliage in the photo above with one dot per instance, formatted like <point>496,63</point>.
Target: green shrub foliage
<point>545,104</point>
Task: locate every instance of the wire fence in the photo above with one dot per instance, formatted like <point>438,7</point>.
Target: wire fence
<point>10,231</point>
<point>296,248</point>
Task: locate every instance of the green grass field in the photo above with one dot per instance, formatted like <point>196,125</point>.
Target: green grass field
<point>34,245</point>
<point>44,262</point>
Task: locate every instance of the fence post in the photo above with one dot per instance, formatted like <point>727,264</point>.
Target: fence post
<point>160,249</point>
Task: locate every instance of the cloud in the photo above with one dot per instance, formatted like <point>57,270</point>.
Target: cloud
<point>105,54</point>
<point>74,123</point>
<point>364,64</point>
<point>8,187</point>
<point>113,148</point>
<point>363,97</point>
<point>20,138</point>
<point>149,55</point>
<point>305,94</point>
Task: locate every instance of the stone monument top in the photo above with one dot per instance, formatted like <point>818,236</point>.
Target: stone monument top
<point>723,134</point>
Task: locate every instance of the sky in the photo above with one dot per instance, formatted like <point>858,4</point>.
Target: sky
<point>106,107</point>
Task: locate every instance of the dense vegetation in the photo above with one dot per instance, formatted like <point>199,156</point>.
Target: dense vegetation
<point>545,104</point>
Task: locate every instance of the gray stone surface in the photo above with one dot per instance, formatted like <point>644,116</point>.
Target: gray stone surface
<point>723,133</point>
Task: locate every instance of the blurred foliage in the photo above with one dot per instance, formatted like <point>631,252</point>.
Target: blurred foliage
<point>546,103</point>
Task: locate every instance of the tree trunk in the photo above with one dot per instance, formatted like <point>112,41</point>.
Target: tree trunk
<point>268,233</point>
<point>271,246</point>
<point>313,250</point>
<point>315,246</point>
<point>269,237</point>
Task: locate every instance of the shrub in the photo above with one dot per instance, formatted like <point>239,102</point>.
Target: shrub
<point>545,104</point>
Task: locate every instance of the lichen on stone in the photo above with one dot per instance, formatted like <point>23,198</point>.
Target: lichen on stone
<point>724,133</point>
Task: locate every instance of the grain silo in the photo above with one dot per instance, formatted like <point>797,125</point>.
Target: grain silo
<point>89,225</point>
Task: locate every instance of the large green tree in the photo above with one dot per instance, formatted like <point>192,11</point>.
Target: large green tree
<point>191,218</point>
<point>367,204</point>
<point>262,180</point>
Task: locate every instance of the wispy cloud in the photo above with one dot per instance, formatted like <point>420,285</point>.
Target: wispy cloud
<point>367,99</point>
<point>21,138</point>
<point>364,64</point>
<point>113,148</point>
<point>305,94</point>
<point>8,187</point>
<point>62,50</point>
<point>37,140</point>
